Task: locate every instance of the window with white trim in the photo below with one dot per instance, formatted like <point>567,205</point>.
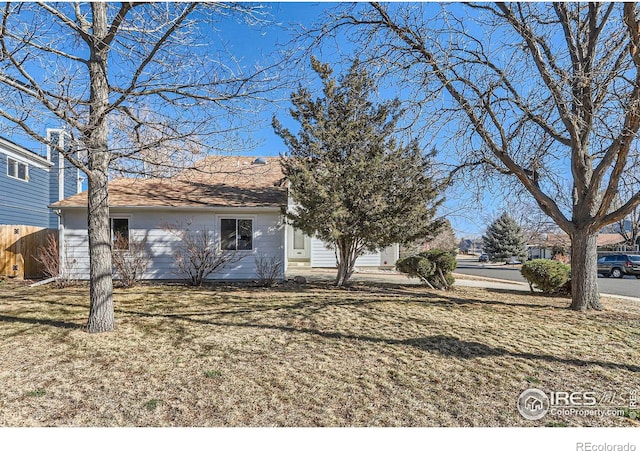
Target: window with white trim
<point>17,169</point>
<point>236,234</point>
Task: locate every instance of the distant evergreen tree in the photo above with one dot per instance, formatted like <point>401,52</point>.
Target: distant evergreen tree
<point>504,239</point>
<point>353,184</point>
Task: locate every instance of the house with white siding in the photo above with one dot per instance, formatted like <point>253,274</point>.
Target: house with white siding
<point>303,250</point>
<point>238,200</point>
<point>29,182</point>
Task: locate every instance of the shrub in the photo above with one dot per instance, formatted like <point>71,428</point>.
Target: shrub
<point>433,268</point>
<point>445,262</point>
<point>49,257</point>
<point>268,269</point>
<point>416,266</point>
<point>212,373</point>
<point>130,259</point>
<point>198,255</point>
<point>549,276</point>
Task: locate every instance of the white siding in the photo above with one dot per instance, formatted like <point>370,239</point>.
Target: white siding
<point>322,257</point>
<point>389,256</point>
<point>371,259</point>
<point>268,239</point>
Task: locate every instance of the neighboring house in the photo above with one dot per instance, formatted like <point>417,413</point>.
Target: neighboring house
<point>542,245</point>
<point>30,182</point>
<point>238,199</point>
<point>471,246</point>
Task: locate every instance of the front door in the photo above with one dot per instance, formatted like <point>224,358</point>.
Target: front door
<point>298,245</point>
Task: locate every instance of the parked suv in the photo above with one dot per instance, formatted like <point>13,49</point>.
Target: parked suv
<point>618,265</point>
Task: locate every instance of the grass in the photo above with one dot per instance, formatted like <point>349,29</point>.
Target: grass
<point>153,404</point>
<point>212,373</point>
<point>37,392</point>
<point>307,356</point>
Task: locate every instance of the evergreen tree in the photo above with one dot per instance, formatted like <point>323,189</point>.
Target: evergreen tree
<point>504,239</point>
<point>354,185</point>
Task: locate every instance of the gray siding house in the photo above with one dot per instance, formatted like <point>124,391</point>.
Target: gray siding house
<point>237,200</point>
<point>30,182</point>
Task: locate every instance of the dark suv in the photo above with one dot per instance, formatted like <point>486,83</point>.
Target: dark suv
<point>618,265</point>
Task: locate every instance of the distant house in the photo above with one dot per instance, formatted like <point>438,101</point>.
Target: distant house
<point>471,246</point>
<point>238,199</point>
<point>542,245</point>
<point>30,182</point>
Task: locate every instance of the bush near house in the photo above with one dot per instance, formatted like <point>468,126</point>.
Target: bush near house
<point>550,276</point>
<point>269,270</point>
<point>129,259</point>
<point>433,267</point>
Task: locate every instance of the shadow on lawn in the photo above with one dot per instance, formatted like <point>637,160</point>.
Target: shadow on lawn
<point>441,344</point>
<point>453,347</point>
<point>449,297</point>
<point>39,321</point>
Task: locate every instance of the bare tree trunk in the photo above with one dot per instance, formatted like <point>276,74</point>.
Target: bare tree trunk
<point>584,271</point>
<point>346,262</point>
<point>445,284</point>
<point>101,313</point>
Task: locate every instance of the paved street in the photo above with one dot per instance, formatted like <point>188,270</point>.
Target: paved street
<point>629,286</point>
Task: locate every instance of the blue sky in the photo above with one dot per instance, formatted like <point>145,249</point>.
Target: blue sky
<point>260,44</point>
<point>469,216</point>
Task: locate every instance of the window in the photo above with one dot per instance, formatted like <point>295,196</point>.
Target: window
<point>17,169</point>
<point>298,239</point>
<point>120,233</point>
<point>236,234</point>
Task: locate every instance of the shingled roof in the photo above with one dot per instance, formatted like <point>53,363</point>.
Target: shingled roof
<point>213,182</point>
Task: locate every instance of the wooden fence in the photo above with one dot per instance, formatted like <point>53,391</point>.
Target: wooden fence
<point>18,250</point>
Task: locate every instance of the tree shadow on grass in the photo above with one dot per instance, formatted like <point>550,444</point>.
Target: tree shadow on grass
<point>449,297</point>
<point>441,344</point>
<point>39,321</point>
<point>535,294</point>
<point>454,347</point>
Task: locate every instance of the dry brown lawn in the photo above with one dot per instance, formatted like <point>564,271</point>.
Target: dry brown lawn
<point>306,356</point>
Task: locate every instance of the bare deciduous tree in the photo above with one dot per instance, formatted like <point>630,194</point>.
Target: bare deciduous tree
<point>99,69</point>
<point>546,93</point>
<point>628,226</point>
<point>445,239</point>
